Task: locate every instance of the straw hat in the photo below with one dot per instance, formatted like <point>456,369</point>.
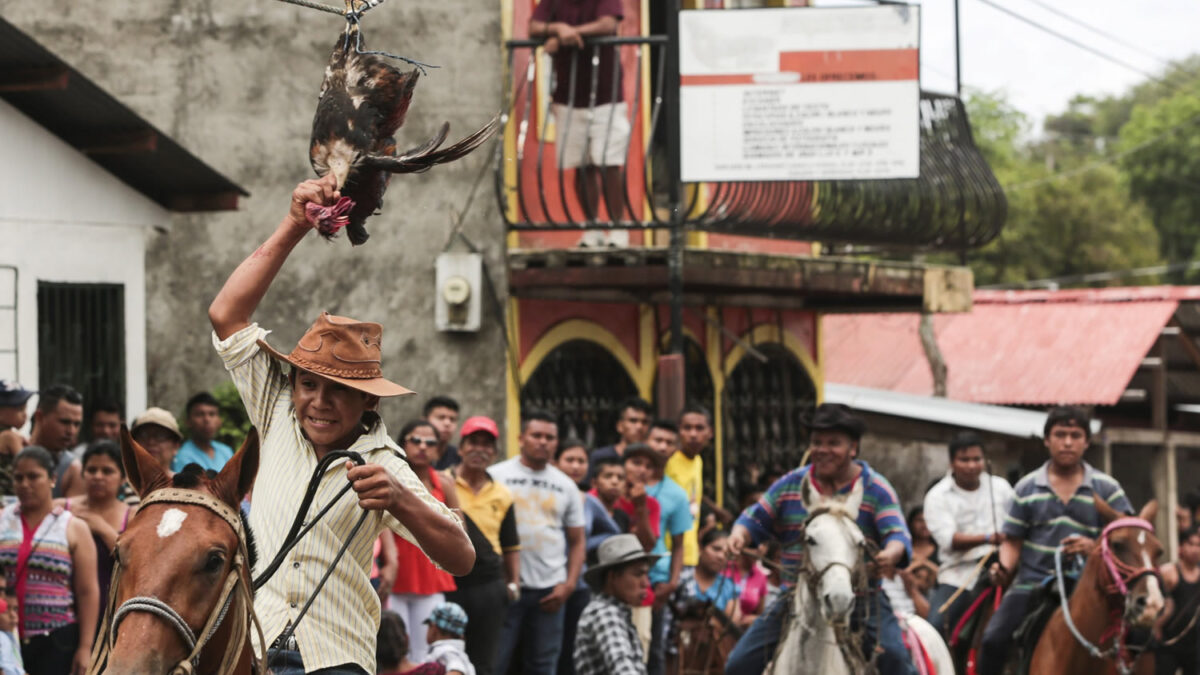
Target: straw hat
<point>344,350</point>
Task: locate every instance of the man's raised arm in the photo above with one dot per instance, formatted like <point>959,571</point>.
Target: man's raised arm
<point>231,310</point>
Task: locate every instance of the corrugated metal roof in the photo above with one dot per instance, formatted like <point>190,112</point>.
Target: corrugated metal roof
<point>72,107</point>
<point>1013,348</point>
<point>980,416</point>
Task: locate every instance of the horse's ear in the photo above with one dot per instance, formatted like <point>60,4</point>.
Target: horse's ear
<point>808,495</point>
<point>1149,511</point>
<point>235,480</point>
<point>1107,513</point>
<point>143,471</point>
<point>855,498</point>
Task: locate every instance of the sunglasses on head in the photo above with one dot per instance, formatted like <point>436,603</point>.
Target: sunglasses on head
<point>427,442</point>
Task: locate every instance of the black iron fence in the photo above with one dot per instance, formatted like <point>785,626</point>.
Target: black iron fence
<point>583,150</point>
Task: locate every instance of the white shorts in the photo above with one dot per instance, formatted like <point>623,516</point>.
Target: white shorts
<point>598,137</point>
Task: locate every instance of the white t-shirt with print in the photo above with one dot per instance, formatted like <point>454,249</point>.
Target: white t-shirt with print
<point>546,502</point>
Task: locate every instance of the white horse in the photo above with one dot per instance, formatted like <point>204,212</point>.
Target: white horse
<point>818,638</point>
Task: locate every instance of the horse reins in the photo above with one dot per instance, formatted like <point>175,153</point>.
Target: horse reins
<point>235,590</point>
<point>233,587</point>
<point>1121,576</point>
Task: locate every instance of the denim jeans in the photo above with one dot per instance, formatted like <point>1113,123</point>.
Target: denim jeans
<point>288,662</point>
<point>998,636</point>
<point>757,645</point>
<point>538,633</point>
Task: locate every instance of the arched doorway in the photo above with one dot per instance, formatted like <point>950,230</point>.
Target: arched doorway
<point>763,405</point>
<point>581,384</point>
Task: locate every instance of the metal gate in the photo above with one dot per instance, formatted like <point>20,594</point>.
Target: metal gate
<point>581,384</point>
<point>81,339</point>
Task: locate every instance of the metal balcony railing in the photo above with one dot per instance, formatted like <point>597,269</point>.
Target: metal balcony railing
<point>955,204</point>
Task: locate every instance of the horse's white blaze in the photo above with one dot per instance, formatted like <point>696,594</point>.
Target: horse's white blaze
<point>1142,541</point>
<point>172,520</point>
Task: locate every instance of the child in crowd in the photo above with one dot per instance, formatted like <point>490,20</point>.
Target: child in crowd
<point>447,624</point>
<point>10,652</point>
<point>391,650</point>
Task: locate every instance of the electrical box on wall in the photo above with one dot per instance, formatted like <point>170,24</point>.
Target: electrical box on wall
<point>459,286</point>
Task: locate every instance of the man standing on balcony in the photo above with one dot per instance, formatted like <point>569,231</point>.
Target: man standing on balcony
<point>593,136</point>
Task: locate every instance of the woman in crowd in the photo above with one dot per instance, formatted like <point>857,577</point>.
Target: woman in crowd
<point>706,580</point>
<point>925,561</point>
<point>752,578</point>
<point>391,650</point>
<point>49,562</point>
<point>419,585</point>
<point>571,458</point>
<point>105,515</point>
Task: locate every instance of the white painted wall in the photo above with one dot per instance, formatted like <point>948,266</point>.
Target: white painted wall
<point>64,218</point>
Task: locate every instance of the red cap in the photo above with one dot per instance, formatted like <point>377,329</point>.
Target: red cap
<point>480,423</point>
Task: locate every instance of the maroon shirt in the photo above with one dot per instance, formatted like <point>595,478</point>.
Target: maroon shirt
<point>577,13</point>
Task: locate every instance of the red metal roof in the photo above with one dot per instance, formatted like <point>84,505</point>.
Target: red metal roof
<point>1015,347</point>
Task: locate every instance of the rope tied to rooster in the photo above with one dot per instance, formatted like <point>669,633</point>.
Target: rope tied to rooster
<point>353,15</point>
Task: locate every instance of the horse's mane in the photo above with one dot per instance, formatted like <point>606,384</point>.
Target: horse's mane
<point>194,477</point>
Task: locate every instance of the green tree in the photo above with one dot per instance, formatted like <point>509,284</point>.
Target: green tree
<point>1080,223</point>
<point>1160,148</point>
<point>235,423</point>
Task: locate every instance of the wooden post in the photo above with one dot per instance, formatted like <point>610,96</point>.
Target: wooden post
<point>1106,455</point>
<point>1163,466</point>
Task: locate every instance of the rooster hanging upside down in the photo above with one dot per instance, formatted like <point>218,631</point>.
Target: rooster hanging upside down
<point>363,102</point>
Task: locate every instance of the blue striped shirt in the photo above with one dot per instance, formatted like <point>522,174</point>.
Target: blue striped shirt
<point>781,513</point>
<point>1042,520</point>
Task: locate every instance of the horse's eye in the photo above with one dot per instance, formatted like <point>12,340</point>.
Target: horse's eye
<point>809,541</point>
<point>1117,546</point>
<point>214,563</point>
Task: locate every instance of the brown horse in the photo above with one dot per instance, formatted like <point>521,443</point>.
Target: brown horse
<point>181,597</point>
<point>705,638</point>
<point>1119,590</point>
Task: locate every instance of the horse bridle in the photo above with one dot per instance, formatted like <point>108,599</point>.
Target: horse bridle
<point>1121,576</point>
<point>812,574</point>
<point>236,588</point>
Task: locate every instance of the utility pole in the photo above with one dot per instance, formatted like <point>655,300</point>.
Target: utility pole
<point>674,186</point>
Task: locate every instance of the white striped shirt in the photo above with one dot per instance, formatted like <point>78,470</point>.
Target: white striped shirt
<point>341,625</point>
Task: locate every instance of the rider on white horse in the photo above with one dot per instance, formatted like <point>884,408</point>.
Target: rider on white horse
<point>1053,507</point>
<point>833,444</point>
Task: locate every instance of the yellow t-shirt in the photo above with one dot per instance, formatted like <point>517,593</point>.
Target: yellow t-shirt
<point>689,473</point>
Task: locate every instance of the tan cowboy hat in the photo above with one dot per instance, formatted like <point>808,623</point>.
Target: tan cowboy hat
<point>344,350</point>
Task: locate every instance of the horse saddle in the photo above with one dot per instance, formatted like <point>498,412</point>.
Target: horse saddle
<point>1043,601</point>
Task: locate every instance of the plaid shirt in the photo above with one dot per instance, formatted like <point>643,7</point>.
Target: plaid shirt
<point>606,643</point>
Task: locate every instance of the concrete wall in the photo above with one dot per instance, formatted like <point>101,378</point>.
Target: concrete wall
<point>64,218</point>
<point>236,83</point>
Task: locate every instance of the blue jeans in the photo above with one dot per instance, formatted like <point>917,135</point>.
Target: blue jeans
<point>288,662</point>
<point>998,636</point>
<point>757,646</point>
<point>538,633</point>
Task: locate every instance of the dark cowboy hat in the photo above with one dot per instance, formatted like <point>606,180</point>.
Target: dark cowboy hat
<point>344,350</point>
<point>836,417</point>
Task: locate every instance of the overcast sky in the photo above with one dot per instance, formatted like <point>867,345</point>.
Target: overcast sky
<point>1040,72</point>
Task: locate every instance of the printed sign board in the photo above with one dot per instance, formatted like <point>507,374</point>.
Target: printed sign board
<point>800,93</point>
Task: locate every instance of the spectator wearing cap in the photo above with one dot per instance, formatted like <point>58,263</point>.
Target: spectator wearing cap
<point>491,522</point>
<point>834,435</point>
<point>606,642</point>
<point>13,400</point>
<point>419,585</point>
<point>56,423</point>
<point>203,418</point>
<point>157,431</point>
<point>447,624</point>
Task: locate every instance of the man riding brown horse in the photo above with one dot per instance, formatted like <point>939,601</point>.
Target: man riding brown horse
<point>326,403</point>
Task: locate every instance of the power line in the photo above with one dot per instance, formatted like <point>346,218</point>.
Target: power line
<point>1065,38</point>
<point>1115,38</point>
